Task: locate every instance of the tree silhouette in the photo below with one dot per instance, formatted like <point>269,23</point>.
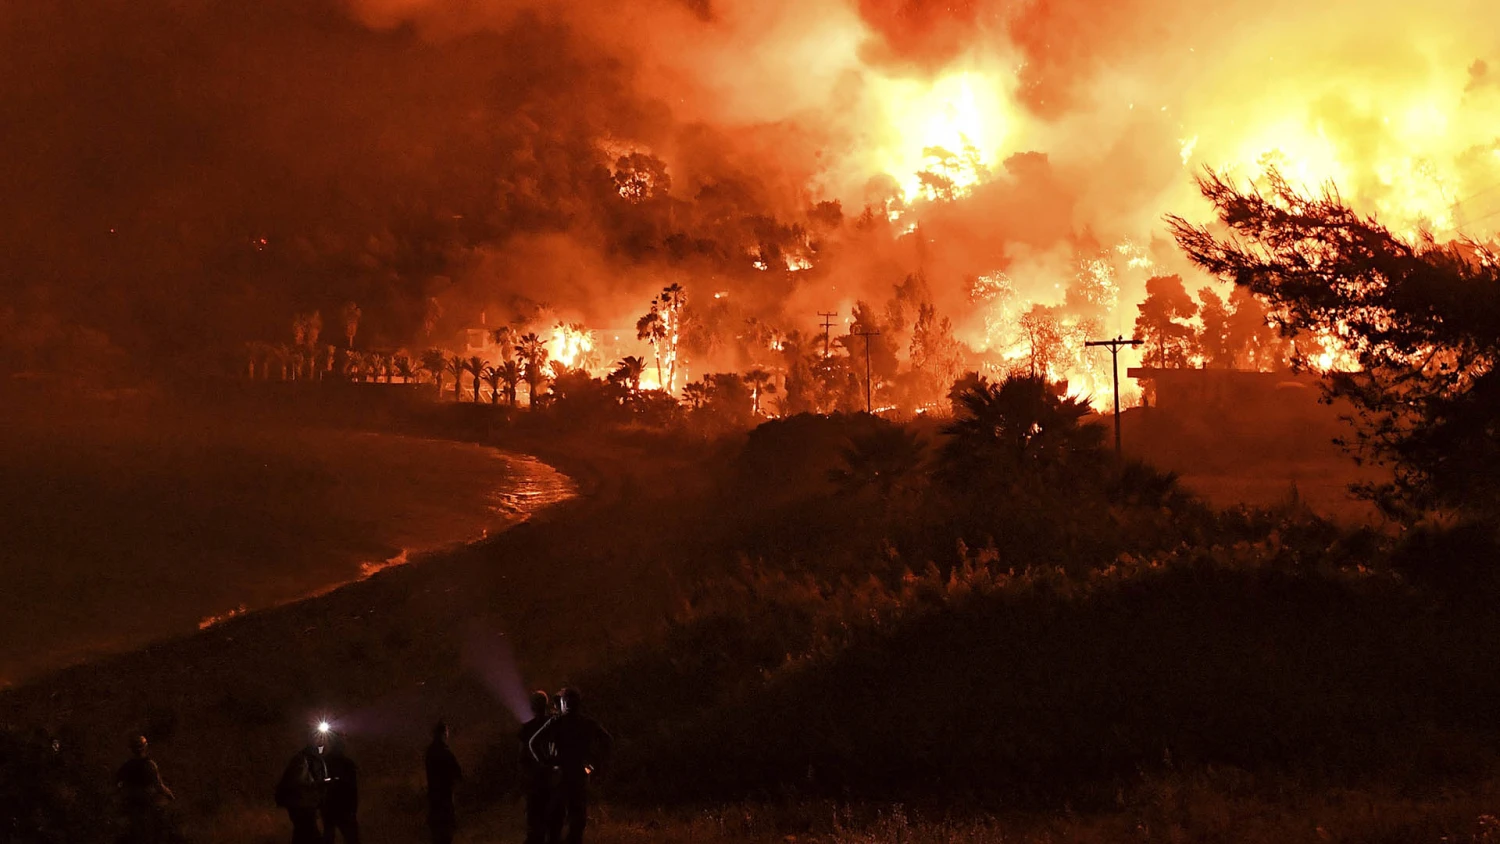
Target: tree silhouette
<point>759,382</point>
<point>1422,320</point>
<point>1017,425</point>
<point>510,376</point>
<point>476,367</point>
<point>1215,341</point>
<point>1256,342</point>
<point>433,363</point>
<point>629,371</point>
<point>457,366</point>
<point>492,377</point>
<point>533,354</point>
<point>1162,321</point>
<point>653,330</point>
<point>884,460</point>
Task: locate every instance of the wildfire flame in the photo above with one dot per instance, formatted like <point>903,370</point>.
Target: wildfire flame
<point>960,114</point>
<point>571,345</point>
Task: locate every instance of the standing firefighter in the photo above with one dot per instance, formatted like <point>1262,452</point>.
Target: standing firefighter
<point>573,744</point>
<point>536,777</point>
<point>303,786</point>
<point>341,802</point>
<point>442,774</point>
<point>143,796</point>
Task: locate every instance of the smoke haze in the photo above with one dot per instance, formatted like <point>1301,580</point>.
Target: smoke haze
<point>182,177</point>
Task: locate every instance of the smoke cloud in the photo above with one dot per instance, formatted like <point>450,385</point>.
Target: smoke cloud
<point>184,177</point>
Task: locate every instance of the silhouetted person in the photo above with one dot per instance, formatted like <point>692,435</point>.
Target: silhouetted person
<point>443,773</point>
<point>143,796</point>
<point>536,777</point>
<point>341,802</point>
<point>573,744</point>
<point>303,786</point>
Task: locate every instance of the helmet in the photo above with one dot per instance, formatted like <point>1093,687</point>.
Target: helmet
<point>540,703</point>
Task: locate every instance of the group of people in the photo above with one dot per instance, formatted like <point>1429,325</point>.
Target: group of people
<point>558,751</point>
<point>559,748</point>
<point>321,780</point>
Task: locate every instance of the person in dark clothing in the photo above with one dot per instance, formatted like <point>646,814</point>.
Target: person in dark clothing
<point>303,786</point>
<point>443,773</point>
<point>143,796</point>
<point>573,744</point>
<point>341,802</point>
<point>535,776</point>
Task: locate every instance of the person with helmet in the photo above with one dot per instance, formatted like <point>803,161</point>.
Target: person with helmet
<point>443,773</point>
<point>341,801</point>
<point>143,795</point>
<point>535,776</point>
<point>574,745</point>
<point>303,786</point>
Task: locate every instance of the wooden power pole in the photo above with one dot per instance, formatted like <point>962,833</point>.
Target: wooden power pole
<point>867,335</point>
<point>1114,354</point>
<point>827,322</point>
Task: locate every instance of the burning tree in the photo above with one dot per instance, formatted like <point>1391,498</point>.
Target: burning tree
<point>351,314</point>
<point>936,357</point>
<point>1215,341</point>
<point>1421,319</point>
<point>662,328</point>
<point>671,301</point>
<point>760,383</point>
<point>1256,342</point>
<point>1042,333</point>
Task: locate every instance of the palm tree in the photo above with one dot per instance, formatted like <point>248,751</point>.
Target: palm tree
<point>282,355</point>
<point>533,354</point>
<point>653,330</point>
<point>628,371</point>
<point>324,363</point>
<point>492,378</point>
<point>883,459</point>
<point>673,300</point>
<point>457,366</point>
<point>1019,422</point>
<point>404,367</point>
<point>510,376</point>
<point>505,338</point>
<point>433,362</point>
<point>351,314</point>
<point>759,381</point>
<point>370,363</point>
<point>475,366</point>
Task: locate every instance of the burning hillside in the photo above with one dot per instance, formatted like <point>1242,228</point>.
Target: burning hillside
<point>981,183</point>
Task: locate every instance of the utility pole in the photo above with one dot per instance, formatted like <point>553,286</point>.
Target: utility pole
<point>867,335</point>
<point>827,321</point>
<point>1114,353</point>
